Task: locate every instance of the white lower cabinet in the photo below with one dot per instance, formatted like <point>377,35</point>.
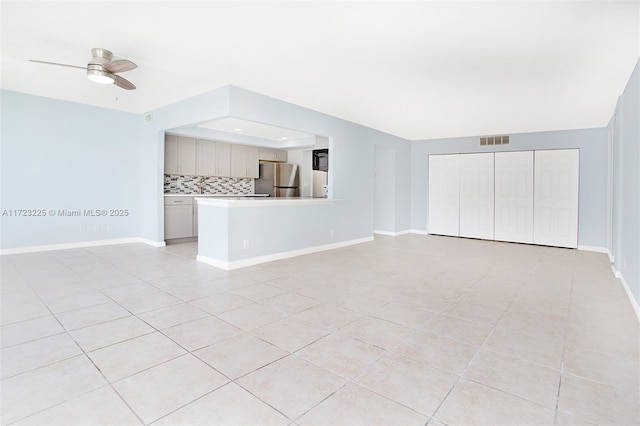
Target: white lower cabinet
<point>178,217</point>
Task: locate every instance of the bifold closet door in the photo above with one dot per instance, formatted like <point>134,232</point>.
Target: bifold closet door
<point>556,198</point>
<point>514,196</point>
<point>476,195</point>
<point>444,201</point>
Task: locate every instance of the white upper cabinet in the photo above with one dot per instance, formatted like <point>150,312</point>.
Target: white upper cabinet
<point>556,197</point>
<point>267,154</point>
<point>271,154</point>
<point>282,155</point>
<point>170,154</point>
<point>203,157</point>
<point>206,158</point>
<point>223,159</point>
<point>444,190</point>
<point>213,158</point>
<point>244,161</point>
<point>180,155</point>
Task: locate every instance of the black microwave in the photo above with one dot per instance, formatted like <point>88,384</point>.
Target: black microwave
<point>321,160</point>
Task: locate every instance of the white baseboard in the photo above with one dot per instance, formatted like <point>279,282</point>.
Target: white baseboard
<point>151,242</point>
<point>236,264</point>
<point>419,231</point>
<point>593,248</point>
<point>604,250</point>
<point>632,300</point>
<point>392,234</point>
<point>82,244</point>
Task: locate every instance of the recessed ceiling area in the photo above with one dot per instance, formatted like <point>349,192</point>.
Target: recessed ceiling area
<point>251,128</point>
<point>415,69</point>
<point>247,132</point>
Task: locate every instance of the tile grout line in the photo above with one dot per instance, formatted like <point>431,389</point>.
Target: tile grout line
<point>108,383</point>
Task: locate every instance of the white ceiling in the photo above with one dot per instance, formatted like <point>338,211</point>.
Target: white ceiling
<point>417,69</point>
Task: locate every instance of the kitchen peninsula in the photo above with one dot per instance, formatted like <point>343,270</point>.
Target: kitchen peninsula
<point>240,232</point>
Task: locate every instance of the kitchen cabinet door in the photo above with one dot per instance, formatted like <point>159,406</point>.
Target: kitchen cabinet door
<point>252,162</point>
<point>223,159</point>
<point>267,154</point>
<point>178,221</point>
<point>206,158</point>
<point>179,155</point>
<point>444,194</point>
<point>238,160</point>
<point>244,161</point>
<point>476,195</point>
<point>171,155</point>
<point>186,156</point>
<point>514,196</point>
<point>556,183</point>
<point>281,155</point>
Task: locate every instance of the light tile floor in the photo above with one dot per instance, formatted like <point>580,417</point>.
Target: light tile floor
<point>402,330</point>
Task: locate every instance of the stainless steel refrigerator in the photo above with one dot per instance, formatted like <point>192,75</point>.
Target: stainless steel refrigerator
<point>278,180</point>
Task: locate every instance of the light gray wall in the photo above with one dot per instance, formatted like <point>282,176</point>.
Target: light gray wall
<point>351,161</point>
<point>384,217</point>
<point>64,155</point>
<point>592,215</point>
<point>351,155</point>
<point>58,154</point>
<point>625,127</point>
<point>198,109</point>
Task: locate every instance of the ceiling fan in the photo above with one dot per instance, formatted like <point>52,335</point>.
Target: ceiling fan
<point>102,69</point>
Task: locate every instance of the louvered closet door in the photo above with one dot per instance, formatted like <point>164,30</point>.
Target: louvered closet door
<point>514,196</point>
<point>476,195</point>
<point>556,198</point>
<point>444,194</point>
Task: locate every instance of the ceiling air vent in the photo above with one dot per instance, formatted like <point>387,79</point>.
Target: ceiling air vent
<point>494,140</point>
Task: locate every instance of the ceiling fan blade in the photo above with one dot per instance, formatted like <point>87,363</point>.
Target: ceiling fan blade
<point>124,83</point>
<point>121,65</point>
<point>56,63</point>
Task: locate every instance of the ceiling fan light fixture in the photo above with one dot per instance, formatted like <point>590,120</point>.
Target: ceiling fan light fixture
<point>99,76</point>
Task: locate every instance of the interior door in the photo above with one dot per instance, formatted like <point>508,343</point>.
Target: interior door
<point>444,194</point>
<point>556,197</point>
<point>476,195</point>
<point>514,196</point>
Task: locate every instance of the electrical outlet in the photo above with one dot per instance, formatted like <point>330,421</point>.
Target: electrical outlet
<point>245,244</point>
<point>331,233</point>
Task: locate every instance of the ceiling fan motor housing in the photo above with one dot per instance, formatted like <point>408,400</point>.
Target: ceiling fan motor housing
<point>100,56</point>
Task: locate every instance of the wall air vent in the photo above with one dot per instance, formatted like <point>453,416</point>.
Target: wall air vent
<point>494,140</point>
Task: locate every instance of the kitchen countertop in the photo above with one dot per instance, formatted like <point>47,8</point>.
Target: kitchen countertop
<point>231,201</point>
<point>217,195</point>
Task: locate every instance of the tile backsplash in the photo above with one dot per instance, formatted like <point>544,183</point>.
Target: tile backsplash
<point>174,184</point>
